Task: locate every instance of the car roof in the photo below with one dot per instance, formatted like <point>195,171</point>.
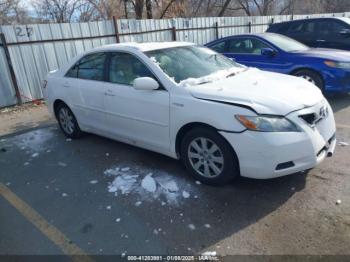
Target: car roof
<point>310,19</point>
<point>143,47</point>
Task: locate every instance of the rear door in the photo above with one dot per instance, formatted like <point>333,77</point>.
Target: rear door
<point>85,84</point>
<point>334,34</point>
<point>304,31</point>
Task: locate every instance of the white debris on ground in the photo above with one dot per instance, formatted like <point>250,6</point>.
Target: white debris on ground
<point>62,164</point>
<point>108,207</point>
<point>93,182</point>
<point>117,220</point>
<point>185,194</point>
<point>64,194</point>
<point>207,226</point>
<point>343,143</point>
<point>68,139</point>
<point>35,155</point>
<point>191,226</point>
<point>338,202</point>
<point>198,182</point>
<point>34,141</point>
<point>26,163</point>
<point>149,185</point>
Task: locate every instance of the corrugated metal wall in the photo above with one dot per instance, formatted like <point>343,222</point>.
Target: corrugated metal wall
<point>31,62</point>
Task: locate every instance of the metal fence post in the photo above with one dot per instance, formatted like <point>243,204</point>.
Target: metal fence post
<point>115,24</point>
<point>216,27</point>
<point>250,26</point>
<point>3,43</point>
<point>173,33</point>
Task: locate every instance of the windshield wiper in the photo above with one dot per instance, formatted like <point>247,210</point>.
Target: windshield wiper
<point>230,75</point>
<point>204,82</point>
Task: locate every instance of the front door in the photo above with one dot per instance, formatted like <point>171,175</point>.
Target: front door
<point>140,116</point>
<point>247,51</point>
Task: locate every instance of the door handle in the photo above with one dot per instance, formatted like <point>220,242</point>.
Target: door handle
<point>66,85</point>
<point>108,94</point>
<point>320,40</point>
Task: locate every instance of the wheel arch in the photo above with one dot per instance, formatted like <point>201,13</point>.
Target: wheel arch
<point>186,128</point>
<point>304,68</point>
<point>56,104</point>
<point>189,126</point>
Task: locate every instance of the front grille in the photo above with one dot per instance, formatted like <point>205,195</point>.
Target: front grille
<point>325,148</point>
<point>309,118</point>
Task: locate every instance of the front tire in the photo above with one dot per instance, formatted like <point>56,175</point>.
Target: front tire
<point>67,122</point>
<point>209,157</point>
<point>311,76</point>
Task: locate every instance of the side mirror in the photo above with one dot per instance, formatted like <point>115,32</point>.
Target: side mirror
<point>345,32</point>
<point>145,83</point>
<point>268,52</point>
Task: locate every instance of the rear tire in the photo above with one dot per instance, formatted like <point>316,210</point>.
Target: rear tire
<point>209,157</point>
<point>67,122</point>
<point>311,76</point>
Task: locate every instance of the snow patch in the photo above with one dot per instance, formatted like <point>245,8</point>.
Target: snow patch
<point>35,155</point>
<point>93,182</point>
<point>191,226</point>
<point>62,164</point>
<point>221,74</point>
<point>34,141</point>
<point>185,194</point>
<point>124,184</point>
<point>149,185</point>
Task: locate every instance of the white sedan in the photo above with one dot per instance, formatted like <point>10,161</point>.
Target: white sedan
<point>185,101</point>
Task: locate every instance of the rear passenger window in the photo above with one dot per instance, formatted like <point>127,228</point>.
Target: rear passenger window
<point>90,67</point>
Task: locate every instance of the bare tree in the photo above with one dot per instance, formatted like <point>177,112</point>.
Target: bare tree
<point>149,9</point>
<point>11,11</point>
<point>59,11</point>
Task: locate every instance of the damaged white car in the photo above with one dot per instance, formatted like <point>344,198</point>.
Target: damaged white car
<point>185,101</point>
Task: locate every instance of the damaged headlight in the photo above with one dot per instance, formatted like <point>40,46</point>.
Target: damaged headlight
<point>267,123</point>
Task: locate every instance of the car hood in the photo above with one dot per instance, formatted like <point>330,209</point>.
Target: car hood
<point>264,92</point>
<point>331,54</point>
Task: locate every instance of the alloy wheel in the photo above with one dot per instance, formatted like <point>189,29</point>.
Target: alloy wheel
<point>66,120</point>
<point>205,157</point>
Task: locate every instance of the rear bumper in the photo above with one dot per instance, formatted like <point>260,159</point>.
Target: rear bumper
<point>270,155</point>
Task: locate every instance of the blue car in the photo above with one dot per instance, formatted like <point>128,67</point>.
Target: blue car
<point>327,68</point>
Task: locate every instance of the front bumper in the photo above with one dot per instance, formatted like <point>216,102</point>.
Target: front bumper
<point>336,80</point>
<point>273,154</point>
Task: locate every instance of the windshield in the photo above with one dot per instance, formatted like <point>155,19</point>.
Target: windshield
<point>191,62</point>
<point>285,43</point>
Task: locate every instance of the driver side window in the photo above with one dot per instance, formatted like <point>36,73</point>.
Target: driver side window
<point>125,68</point>
<point>246,46</point>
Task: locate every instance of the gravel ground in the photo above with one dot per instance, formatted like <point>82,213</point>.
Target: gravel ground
<point>76,186</point>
